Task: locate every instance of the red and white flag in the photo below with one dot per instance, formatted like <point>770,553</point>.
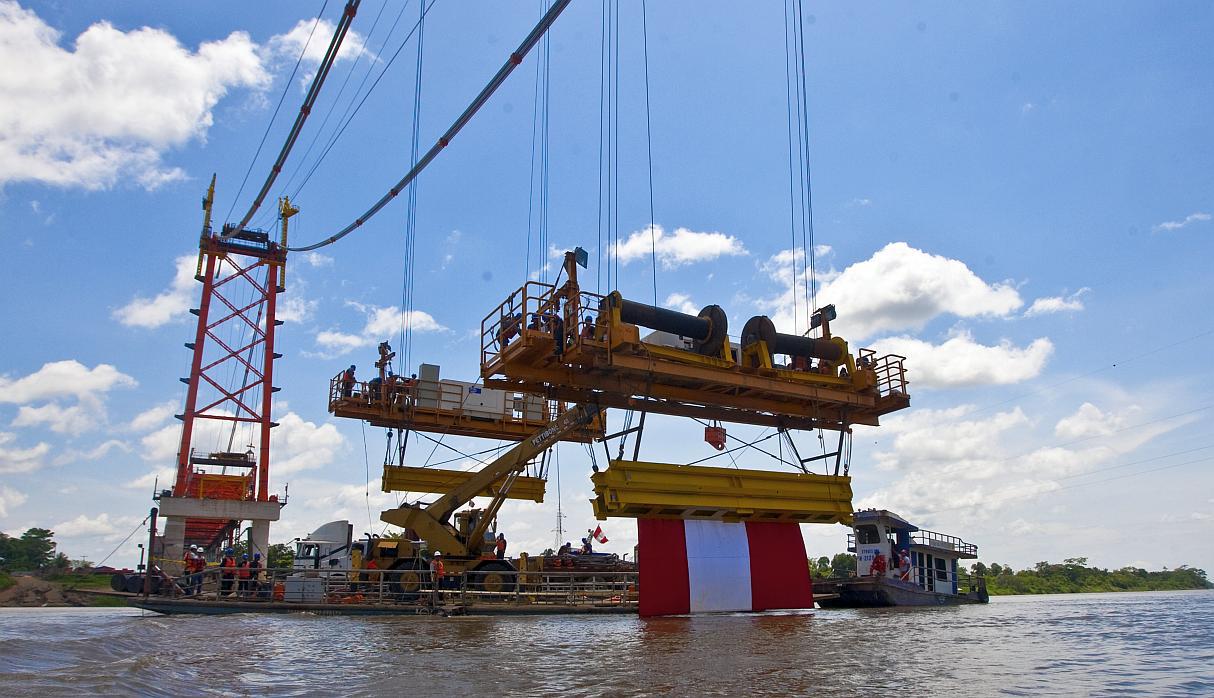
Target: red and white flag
<point>706,566</point>
<point>597,534</point>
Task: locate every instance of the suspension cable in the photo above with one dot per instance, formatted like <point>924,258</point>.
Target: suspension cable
<point>511,63</point>
<point>285,89</point>
<point>305,109</point>
<point>653,242</point>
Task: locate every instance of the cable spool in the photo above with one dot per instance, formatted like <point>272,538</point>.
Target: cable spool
<point>761,328</point>
<point>707,331</point>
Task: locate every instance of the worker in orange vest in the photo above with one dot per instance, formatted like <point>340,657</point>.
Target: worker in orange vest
<point>243,573</point>
<point>500,546</point>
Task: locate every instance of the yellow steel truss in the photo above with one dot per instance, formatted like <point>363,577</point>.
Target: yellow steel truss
<point>636,489</point>
<point>439,481</point>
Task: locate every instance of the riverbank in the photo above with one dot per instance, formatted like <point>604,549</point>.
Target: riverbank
<point>29,591</point>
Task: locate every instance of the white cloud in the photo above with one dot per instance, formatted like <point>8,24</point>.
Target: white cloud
<point>298,445</point>
<point>1088,420</point>
<point>947,441</point>
<point>682,303</point>
<point>860,201</point>
<point>1169,226</point>
<point>1057,304</point>
<point>296,309</point>
<point>1027,107</point>
<point>10,497</point>
<point>960,361</point>
<point>679,248</point>
<point>84,416</point>
<point>287,46</point>
<point>382,324</point>
<point>111,106</point>
<point>84,527</point>
<point>170,304</point>
<point>160,477</point>
<point>20,460</point>
<point>153,416</point>
<point>900,287</point>
<point>62,379</point>
<point>318,260</point>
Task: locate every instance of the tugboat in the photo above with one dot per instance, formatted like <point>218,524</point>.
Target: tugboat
<point>898,564</point>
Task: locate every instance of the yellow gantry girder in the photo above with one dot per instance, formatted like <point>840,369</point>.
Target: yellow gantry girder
<point>439,481</point>
<point>636,489</point>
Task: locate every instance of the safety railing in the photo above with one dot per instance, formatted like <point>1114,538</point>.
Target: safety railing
<point>407,587</point>
<point>889,369</point>
<point>931,539</point>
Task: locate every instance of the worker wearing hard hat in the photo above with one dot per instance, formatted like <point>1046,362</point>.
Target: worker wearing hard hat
<point>437,572</point>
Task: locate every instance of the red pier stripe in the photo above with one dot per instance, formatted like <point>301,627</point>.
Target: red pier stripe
<point>664,586</point>
<point>779,569</point>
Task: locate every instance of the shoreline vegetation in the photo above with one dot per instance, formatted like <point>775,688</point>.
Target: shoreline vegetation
<point>1071,576</point>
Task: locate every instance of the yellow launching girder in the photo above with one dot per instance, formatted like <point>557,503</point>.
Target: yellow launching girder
<point>636,489</point>
<point>439,481</point>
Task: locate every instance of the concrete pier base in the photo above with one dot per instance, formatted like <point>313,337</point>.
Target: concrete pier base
<point>175,511</point>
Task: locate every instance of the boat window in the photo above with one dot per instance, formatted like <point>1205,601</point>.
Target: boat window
<point>307,552</point>
<point>867,535</point>
<point>942,569</point>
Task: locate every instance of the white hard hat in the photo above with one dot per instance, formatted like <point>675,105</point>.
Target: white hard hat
<point>438,553</point>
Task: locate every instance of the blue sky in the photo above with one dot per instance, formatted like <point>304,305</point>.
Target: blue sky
<point>1016,196</point>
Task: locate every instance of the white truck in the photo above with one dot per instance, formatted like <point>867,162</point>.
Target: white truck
<point>327,548</point>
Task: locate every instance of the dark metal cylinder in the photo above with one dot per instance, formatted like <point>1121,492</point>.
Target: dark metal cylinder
<point>708,330</point>
<point>665,320</point>
<point>760,327</point>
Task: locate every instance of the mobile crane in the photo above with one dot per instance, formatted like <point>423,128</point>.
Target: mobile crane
<point>465,544</point>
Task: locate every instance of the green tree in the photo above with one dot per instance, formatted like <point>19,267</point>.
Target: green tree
<point>34,550</point>
<point>281,555</point>
<point>843,565</point>
<point>820,568</point>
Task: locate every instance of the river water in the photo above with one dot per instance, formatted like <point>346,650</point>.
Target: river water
<point>1156,643</point>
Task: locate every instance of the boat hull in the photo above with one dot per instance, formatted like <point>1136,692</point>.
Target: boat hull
<point>170,606</point>
<point>873,592</point>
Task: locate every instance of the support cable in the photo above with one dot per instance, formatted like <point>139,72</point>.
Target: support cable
<point>318,81</point>
<point>285,89</point>
<point>653,243</point>
<point>348,116</point>
<point>511,63</point>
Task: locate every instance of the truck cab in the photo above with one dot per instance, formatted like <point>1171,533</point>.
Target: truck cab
<point>327,549</point>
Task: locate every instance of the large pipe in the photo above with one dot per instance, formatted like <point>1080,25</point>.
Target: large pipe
<point>760,327</point>
<point>707,330</point>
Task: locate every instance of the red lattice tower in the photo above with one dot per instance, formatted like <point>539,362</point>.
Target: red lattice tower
<point>232,372</point>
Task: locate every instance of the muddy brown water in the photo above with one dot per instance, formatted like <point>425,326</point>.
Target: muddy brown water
<point>1085,644</point>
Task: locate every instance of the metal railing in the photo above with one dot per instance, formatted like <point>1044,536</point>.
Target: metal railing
<point>410,588</point>
<point>889,369</point>
<point>931,539</point>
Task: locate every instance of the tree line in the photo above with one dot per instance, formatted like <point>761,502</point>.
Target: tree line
<point>34,550</point>
<point>1074,576</point>
<point>1071,576</point>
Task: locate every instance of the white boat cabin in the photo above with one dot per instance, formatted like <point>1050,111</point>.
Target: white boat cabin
<point>879,538</point>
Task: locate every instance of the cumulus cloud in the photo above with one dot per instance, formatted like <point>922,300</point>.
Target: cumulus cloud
<point>287,46</point>
<point>83,526</point>
<point>1088,420</point>
<point>679,248</point>
<point>296,309</point>
<point>318,260</point>
<point>1169,226</point>
<point>112,104</point>
<point>1057,304</point>
<point>682,303</point>
<point>153,416</point>
<point>63,379</point>
<point>85,415</point>
<point>168,305</point>
<point>961,362</point>
<point>901,288</point>
<point>10,498</point>
<point>300,445</point>
<point>14,459</point>
<point>382,323</point>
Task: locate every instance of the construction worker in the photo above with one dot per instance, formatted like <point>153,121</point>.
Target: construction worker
<point>242,576</point>
<point>500,546</point>
<point>904,566</point>
<point>587,328</point>
<point>227,572</point>
<point>877,569</point>
<point>256,573</point>
<point>347,382</point>
<point>195,563</point>
<point>437,572</point>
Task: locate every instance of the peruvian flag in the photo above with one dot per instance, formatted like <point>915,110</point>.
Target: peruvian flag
<point>689,566</point>
<point>597,534</point>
